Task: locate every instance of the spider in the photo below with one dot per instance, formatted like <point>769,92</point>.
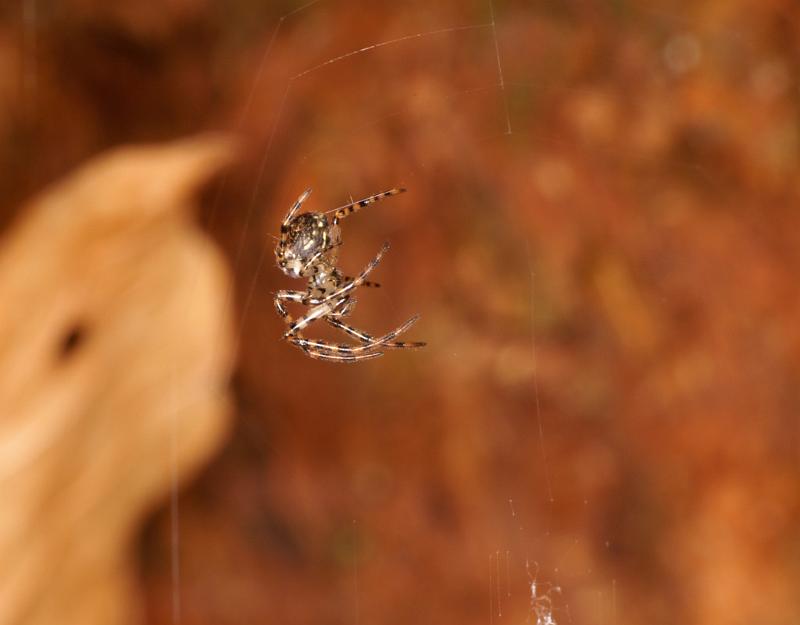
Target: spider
<point>308,248</point>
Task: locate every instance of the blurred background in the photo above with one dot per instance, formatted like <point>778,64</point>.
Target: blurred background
<point>601,236</point>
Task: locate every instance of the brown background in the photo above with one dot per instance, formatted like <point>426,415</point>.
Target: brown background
<point>609,292</point>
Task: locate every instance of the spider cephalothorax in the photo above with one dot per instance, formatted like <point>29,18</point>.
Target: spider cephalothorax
<point>308,248</point>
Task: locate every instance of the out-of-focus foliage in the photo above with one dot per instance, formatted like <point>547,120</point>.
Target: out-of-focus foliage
<point>115,334</point>
<point>638,228</point>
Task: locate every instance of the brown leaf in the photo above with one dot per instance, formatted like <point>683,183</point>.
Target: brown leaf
<point>115,351</point>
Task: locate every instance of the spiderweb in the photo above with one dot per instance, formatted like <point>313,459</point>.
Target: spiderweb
<point>541,156</point>
<point>476,31</point>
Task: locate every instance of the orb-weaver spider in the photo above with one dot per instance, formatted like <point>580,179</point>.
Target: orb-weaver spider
<point>308,248</point>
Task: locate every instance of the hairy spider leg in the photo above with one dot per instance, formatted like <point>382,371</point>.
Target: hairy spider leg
<point>312,351</point>
<point>292,210</point>
<point>356,206</point>
<point>369,341</point>
<point>318,355</point>
<point>317,312</point>
<point>287,296</point>
<point>368,283</point>
<point>300,297</point>
<point>317,352</point>
<point>384,341</point>
<point>317,349</point>
<point>347,287</point>
<point>343,348</point>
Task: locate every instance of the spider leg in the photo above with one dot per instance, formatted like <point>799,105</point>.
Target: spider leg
<point>348,286</point>
<point>315,349</point>
<point>321,310</point>
<point>371,344</point>
<point>383,341</point>
<point>321,350</point>
<point>350,330</point>
<point>345,310</point>
<point>352,284</point>
<point>324,355</point>
<point>287,296</point>
<point>349,209</point>
<point>324,350</point>
<point>369,283</point>
<point>294,208</point>
<point>290,296</point>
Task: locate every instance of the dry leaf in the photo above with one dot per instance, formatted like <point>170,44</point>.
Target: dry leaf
<point>115,351</point>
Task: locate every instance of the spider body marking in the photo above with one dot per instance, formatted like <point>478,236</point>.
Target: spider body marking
<point>308,248</point>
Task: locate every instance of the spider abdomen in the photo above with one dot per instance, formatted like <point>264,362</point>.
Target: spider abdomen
<point>308,234</point>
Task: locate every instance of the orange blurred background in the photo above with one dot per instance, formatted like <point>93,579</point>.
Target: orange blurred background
<point>608,405</point>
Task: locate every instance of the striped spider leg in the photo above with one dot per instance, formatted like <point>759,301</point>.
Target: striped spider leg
<point>384,341</point>
<point>341,352</point>
<point>323,350</point>
<point>348,209</point>
<point>370,344</point>
<point>338,303</point>
<point>308,248</point>
<point>298,339</point>
<point>340,289</point>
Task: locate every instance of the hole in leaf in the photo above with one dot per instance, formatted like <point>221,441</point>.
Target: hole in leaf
<point>72,340</point>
